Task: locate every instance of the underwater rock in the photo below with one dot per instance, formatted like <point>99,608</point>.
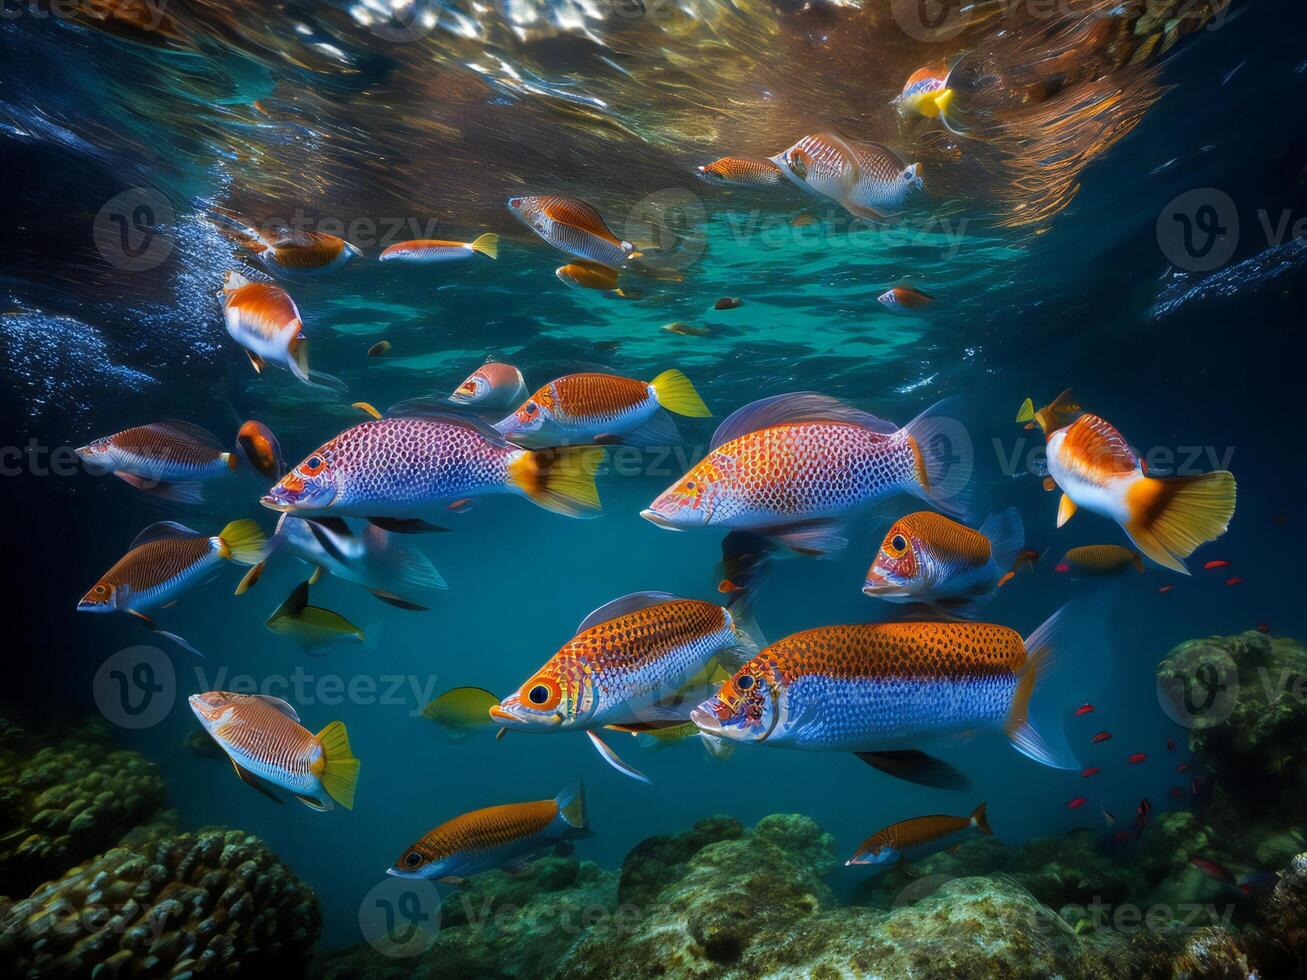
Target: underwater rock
<point>65,795</point>
<point>656,860</point>
<point>213,902</point>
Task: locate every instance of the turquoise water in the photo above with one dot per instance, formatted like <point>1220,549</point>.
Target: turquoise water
<point>263,123</point>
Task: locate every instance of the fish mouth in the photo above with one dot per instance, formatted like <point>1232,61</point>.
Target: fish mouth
<point>273,502</point>
<point>499,714</point>
<point>706,721</point>
<point>661,520</point>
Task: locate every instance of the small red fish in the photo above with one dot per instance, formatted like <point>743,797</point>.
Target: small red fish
<point>1212,869</point>
<point>1084,709</point>
<point>1165,588</point>
<point>1077,803</point>
<point>1170,745</point>
<point>1137,758</point>
<point>1062,567</point>
<point>1176,792</point>
<point>1233,580</point>
<point>1102,736</point>
<point>1091,771</point>
<point>1141,813</point>
<point>1263,627</point>
<point>1208,566</point>
<point>1182,767</point>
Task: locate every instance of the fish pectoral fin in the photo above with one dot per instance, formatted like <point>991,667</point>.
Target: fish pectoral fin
<point>857,210</point>
<point>313,804</point>
<point>187,492</point>
<point>251,780</point>
<point>316,576</point>
<point>397,602</point>
<point>454,880</point>
<point>1066,509</point>
<point>915,766</point>
<point>154,627</point>
<point>251,577</point>
<point>402,525</point>
<point>256,362</point>
<point>612,758</point>
<point>817,538</point>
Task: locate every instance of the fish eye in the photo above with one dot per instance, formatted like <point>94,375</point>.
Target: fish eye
<point>99,590</point>
<point>412,859</point>
<point>538,694</point>
<point>744,683</point>
<point>899,543</point>
<point>689,484</point>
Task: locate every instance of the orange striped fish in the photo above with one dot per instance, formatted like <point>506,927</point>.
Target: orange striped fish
<point>168,459</point>
<point>741,172</point>
<point>427,250</point>
<point>868,179</point>
<point>604,408</point>
<point>572,226</point>
<point>264,739</point>
<point>882,690</point>
<point>494,837</point>
<point>913,838</point>
<point>290,251</point>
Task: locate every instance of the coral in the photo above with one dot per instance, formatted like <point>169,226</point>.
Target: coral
<point>214,902</point>
<point>66,795</point>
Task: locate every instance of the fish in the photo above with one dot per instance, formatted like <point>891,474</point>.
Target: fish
<point>1167,518</point>
<point>395,469</point>
<point>1109,817</point>
<point>640,661</point>
<point>289,251</point>
<point>1165,588</point>
<point>1061,411</point>
<point>1102,737</point>
<point>1141,814</point>
<point>574,227</point>
<point>1137,758</point>
<point>312,626</point>
<point>741,172</point>
<point>169,459</point>
<point>462,711</point>
<point>603,408</point>
<point>1091,771</point>
<point>265,321</point>
<point>165,560</point>
<point>1218,563</point>
<point>881,690</point>
<point>358,552</point>
<point>1170,745</point>
<point>265,742</point>
<point>927,557</point>
<point>424,251</point>
<point>792,467</point>
<point>1263,627</point>
<point>260,449</point>
<point>1076,803</point>
<point>588,275</point>
<point>1234,580</point>
<point>494,837</point>
<point>927,93</point>
<point>1099,559</point>
<point>367,408</point>
<point>1182,767</point>
<point>1212,869</point>
<point>493,385</point>
<point>745,559</point>
<point>728,303</point>
<point>1084,709</point>
<point>683,329</point>
<point>379,348</point>
<point>869,180</point>
<point>902,299</point>
<point>916,835</point>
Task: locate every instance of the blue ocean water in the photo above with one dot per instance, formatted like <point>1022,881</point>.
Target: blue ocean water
<point>270,122</point>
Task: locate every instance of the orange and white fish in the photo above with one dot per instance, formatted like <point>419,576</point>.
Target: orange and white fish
<point>260,448</point>
<point>264,740</point>
<point>901,299</point>
<point>927,93</point>
<point>1167,518</point>
<point>427,250</point>
<point>868,180</point>
<point>916,837</point>
<point>492,385</point>
<point>166,559</point>
<point>741,172</point>
<point>265,321</point>
<point>792,467</point>
<point>588,275</point>
<point>494,837</point>
<point>926,557</point>
<point>169,459</point>
<point>289,251</point>
<point>604,408</point>
<point>572,226</point>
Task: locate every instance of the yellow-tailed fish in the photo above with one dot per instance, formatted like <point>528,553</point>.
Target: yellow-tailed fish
<point>169,459</point>
<point>264,739</point>
<point>428,250</point>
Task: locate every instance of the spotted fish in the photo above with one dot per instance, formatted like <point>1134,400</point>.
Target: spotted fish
<point>396,469</point>
<point>603,408</point>
<point>494,837</point>
<point>572,226</point>
<point>169,459</point>
<point>791,467</point>
<point>882,690</point>
<point>638,662</point>
<point>869,180</point>
<point>741,172</point>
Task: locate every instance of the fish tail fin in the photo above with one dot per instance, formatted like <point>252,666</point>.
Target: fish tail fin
<point>571,809</point>
<point>487,245</point>
<point>1171,516</point>
<point>340,770</point>
<point>561,480</point>
<point>946,104</point>
<point>1007,536</point>
<point>404,564</point>
<point>299,358</point>
<point>675,393</point>
<point>1050,683</point>
<point>251,577</point>
<point>980,820</point>
<point>244,541</point>
<point>943,458</point>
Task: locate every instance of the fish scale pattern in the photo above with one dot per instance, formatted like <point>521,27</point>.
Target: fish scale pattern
<point>414,461</point>
<point>572,227</point>
<point>914,832</point>
<point>804,470</point>
<point>486,829</point>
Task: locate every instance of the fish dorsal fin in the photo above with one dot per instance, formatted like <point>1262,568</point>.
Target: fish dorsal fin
<point>801,406</point>
<point>1097,442</point>
<point>190,430</point>
<point>283,706</point>
<point>439,411</point>
<point>295,603</point>
<point>571,211</point>
<point>164,529</point>
<point>889,153</point>
<point>626,604</point>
